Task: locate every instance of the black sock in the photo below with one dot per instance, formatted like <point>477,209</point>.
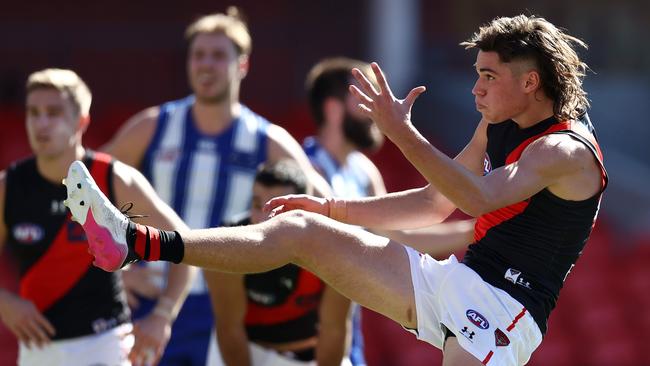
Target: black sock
<point>150,244</point>
<point>172,248</point>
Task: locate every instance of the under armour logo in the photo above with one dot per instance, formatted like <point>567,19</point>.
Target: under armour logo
<point>469,334</point>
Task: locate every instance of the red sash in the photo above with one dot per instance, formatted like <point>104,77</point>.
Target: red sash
<point>66,261</point>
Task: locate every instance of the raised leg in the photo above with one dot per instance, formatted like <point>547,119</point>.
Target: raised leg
<point>369,269</point>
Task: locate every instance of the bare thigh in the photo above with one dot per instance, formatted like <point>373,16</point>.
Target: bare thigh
<point>369,269</point>
<point>455,355</point>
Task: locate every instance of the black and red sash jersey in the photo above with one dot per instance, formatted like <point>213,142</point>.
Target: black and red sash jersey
<point>528,248</point>
<point>282,304</point>
<point>55,268</point>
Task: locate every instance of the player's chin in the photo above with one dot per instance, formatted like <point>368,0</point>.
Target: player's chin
<point>209,96</point>
<point>489,117</point>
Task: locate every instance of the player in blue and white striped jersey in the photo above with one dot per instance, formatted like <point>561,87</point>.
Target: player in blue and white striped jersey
<point>335,151</point>
<point>201,153</point>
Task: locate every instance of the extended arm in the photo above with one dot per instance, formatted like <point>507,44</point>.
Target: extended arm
<point>544,163</point>
<point>438,240</point>
<point>414,208</point>
<point>420,207</point>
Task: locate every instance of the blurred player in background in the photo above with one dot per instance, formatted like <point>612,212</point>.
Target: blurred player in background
<point>282,317</point>
<point>67,312</point>
<point>201,153</point>
<point>343,132</point>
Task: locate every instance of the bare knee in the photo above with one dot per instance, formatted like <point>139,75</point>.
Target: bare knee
<point>296,231</point>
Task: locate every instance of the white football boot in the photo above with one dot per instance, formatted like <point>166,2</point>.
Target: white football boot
<point>105,225</point>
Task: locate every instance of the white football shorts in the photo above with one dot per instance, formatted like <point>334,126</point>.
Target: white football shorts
<point>488,323</point>
<point>111,347</point>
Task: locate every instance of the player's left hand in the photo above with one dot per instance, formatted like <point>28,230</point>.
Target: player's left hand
<point>290,202</point>
<point>389,113</point>
<point>151,336</point>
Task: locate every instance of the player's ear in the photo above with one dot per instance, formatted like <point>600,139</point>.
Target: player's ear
<point>531,81</point>
<point>243,65</point>
<point>84,121</point>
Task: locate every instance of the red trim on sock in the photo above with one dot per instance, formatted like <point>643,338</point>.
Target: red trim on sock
<point>519,316</point>
<point>140,240</point>
<point>487,358</point>
<point>154,244</point>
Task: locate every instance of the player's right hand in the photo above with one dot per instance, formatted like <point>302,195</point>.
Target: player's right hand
<point>281,204</point>
<point>25,321</point>
<point>388,112</point>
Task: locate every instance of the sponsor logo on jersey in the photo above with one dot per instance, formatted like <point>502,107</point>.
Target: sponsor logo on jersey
<point>500,338</point>
<point>168,154</point>
<point>287,282</point>
<point>57,207</point>
<point>205,144</point>
<point>487,165</point>
<point>261,298</point>
<point>477,319</point>
<point>28,233</point>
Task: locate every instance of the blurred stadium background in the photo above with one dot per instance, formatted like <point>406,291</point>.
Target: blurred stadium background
<point>132,55</point>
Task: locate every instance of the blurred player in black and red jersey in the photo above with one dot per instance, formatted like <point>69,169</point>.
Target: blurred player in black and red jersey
<point>68,312</point>
<point>286,316</point>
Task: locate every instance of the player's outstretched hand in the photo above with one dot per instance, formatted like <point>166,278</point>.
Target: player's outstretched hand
<point>290,202</point>
<point>389,113</point>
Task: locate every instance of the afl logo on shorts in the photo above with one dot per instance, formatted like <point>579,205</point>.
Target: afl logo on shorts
<point>477,319</point>
<point>28,233</point>
<point>487,165</point>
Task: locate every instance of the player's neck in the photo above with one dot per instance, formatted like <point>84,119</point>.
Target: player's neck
<point>212,118</point>
<point>535,113</point>
<point>335,144</point>
<point>55,168</point>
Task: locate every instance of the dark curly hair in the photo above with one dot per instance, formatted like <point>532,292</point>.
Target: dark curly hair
<point>282,173</point>
<point>331,77</point>
<point>533,38</point>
